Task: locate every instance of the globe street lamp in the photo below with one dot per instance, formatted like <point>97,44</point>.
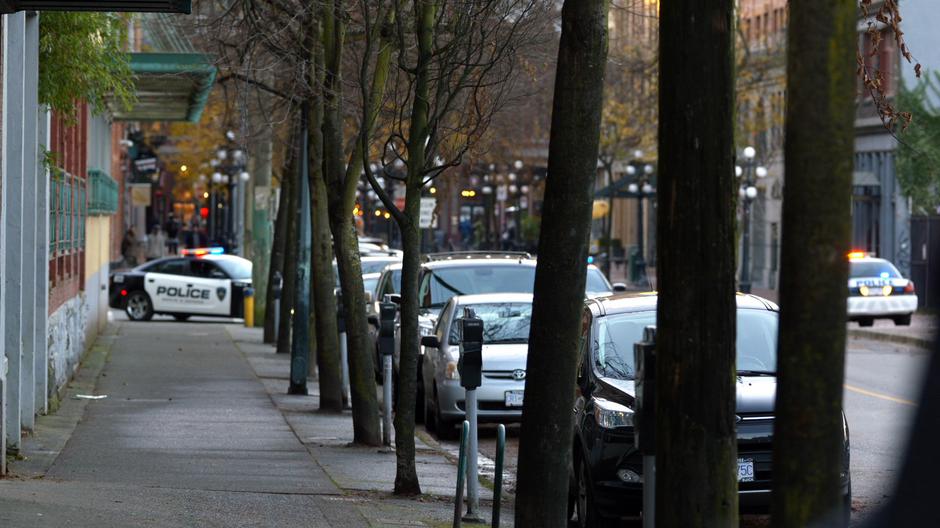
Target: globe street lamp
<point>747,191</point>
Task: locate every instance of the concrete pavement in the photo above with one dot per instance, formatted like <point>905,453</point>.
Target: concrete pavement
<point>196,430</point>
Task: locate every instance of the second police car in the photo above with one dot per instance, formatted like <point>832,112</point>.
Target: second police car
<point>201,282</point>
<point>878,291</point>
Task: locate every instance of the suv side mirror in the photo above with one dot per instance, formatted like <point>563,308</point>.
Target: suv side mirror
<point>430,341</point>
<point>394,297</point>
<point>619,287</point>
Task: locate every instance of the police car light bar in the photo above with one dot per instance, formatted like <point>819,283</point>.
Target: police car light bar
<point>201,252</point>
<point>857,255</point>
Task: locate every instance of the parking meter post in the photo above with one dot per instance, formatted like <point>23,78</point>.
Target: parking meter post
<point>387,312</point>
<point>644,418</point>
<point>278,286</point>
<point>469,366</point>
<point>343,347</point>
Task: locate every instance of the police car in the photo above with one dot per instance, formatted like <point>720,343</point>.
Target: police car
<point>878,291</point>
<point>201,282</point>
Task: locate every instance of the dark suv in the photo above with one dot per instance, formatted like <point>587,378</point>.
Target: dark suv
<point>606,471</point>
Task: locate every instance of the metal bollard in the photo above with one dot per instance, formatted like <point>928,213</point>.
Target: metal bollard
<point>461,467</point>
<point>498,477</point>
<point>249,307</point>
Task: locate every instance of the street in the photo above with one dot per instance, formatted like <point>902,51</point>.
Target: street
<point>882,382</point>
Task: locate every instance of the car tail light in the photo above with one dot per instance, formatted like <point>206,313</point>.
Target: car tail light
<point>910,287</point>
<point>123,293</point>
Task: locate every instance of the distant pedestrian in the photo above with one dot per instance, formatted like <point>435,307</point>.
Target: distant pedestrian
<point>156,243</point>
<point>172,235</point>
<point>127,247</point>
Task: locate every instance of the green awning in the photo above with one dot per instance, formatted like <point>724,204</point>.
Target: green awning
<point>170,87</point>
<point>137,6</point>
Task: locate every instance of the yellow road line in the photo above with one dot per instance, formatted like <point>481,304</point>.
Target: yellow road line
<point>879,395</point>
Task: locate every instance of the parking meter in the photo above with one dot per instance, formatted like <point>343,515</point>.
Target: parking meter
<point>470,364</point>
<point>278,284</point>
<point>644,418</point>
<point>387,311</point>
<point>343,345</point>
<point>644,409</point>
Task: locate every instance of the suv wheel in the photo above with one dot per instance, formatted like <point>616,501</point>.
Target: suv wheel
<point>583,501</point>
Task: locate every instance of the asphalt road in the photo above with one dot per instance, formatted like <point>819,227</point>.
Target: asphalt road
<point>882,384</point>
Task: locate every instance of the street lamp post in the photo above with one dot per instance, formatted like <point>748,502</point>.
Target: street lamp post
<point>230,162</point>
<point>640,189</point>
<point>748,192</point>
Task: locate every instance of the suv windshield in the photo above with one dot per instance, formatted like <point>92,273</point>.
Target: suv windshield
<point>612,350</point>
<point>503,323</point>
<point>444,283</point>
<point>873,268</point>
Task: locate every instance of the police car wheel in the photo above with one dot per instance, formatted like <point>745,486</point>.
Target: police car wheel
<point>139,307</point>
<point>181,317</point>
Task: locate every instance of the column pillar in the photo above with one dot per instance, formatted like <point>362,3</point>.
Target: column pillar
<point>14,74</point>
<point>31,175</point>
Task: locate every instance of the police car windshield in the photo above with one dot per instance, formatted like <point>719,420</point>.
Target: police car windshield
<point>237,269</point>
<point>873,268</point>
<point>503,323</point>
<point>612,349</point>
<point>469,280</point>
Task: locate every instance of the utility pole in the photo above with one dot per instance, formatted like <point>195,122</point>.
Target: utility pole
<point>300,345</point>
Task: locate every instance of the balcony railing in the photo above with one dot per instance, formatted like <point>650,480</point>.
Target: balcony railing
<point>102,193</point>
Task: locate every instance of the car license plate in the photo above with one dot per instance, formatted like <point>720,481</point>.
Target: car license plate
<point>745,470</point>
<point>514,398</point>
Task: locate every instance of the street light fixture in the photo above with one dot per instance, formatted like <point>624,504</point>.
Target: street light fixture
<point>748,175</point>
<point>640,189</point>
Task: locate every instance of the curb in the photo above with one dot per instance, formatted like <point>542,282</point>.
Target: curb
<point>873,335</point>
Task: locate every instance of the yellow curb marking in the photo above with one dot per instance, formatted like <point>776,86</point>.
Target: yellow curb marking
<point>879,395</point>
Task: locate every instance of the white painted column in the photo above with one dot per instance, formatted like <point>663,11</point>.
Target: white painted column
<point>14,74</point>
<point>31,174</point>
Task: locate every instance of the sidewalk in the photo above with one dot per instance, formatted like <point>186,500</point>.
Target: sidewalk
<point>196,431</point>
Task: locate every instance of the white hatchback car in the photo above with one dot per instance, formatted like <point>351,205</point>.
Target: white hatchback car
<point>878,291</point>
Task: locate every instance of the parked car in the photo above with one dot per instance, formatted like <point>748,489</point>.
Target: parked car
<point>506,319</point>
<point>878,291</point>
<point>606,471</point>
<point>370,264</point>
<point>203,283</point>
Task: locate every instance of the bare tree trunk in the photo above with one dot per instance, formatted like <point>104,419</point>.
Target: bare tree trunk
<point>327,332</point>
<point>695,435</point>
<point>278,247</point>
<point>819,151</point>
<point>291,251</point>
<point>545,442</point>
<point>406,475</point>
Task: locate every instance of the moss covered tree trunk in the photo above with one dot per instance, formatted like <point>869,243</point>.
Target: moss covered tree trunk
<point>324,309</point>
<point>696,445</point>
<point>545,443</point>
<point>365,407</point>
<point>814,269</point>
<point>278,247</point>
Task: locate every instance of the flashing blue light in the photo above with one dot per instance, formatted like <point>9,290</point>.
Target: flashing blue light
<point>590,259</point>
<point>216,250</point>
<point>884,275</point>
